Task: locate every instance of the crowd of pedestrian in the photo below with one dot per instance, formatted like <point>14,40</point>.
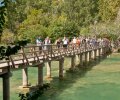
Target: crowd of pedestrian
<point>80,41</point>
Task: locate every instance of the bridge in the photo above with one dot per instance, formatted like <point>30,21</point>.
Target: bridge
<point>32,56</point>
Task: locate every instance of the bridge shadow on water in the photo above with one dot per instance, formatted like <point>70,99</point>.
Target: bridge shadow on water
<point>70,77</point>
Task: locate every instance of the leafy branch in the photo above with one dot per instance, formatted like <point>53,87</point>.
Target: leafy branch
<point>5,52</point>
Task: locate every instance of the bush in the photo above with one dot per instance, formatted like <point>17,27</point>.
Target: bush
<point>7,37</point>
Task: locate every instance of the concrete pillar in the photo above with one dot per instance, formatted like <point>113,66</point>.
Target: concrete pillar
<point>81,60</point>
<point>48,69</point>
<point>99,52</point>
<point>95,54</point>
<point>90,55</point>
<point>103,51</point>
<point>25,77</point>
<point>72,62</point>
<point>86,54</point>
<point>77,59</point>
<point>6,86</point>
<point>40,75</point>
<point>61,66</point>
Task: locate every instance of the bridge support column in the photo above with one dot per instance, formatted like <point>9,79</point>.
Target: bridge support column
<point>40,75</point>
<point>6,86</point>
<point>61,65</point>
<point>81,60</point>
<point>72,62</point>
<point>86,55</point>
<point>99,53</point>
<point>77,59</point>
<point>103,51</point>
<point>25,77</point>
<point>90,52</point>
<point>48,69</point>
<point>95,54</point>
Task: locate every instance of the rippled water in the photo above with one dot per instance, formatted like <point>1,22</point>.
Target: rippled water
<point>100,82</point>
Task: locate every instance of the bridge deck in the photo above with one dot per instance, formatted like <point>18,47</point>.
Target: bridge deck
<point>31,55</point>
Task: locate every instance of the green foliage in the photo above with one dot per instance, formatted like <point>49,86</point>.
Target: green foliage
<point>111,37</point>
<point>3,7</point>
<point>108,9</point>
<point>84,31</point>
<point>7,37</point>
<point>55,18</point>
<point>67,28</point>
<point>6,51</point>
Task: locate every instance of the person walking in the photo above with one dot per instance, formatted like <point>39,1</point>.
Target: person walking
<point>47,43</point>
<point>39,43</point>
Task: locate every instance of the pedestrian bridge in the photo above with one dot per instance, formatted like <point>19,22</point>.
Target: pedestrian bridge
<point>33,56</point>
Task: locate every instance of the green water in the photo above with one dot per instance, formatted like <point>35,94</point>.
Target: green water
<point>100,81</point>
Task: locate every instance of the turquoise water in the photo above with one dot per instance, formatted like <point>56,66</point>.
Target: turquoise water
<point>100,81</point>
<point>89,88</point>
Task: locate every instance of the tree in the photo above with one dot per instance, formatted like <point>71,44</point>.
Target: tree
<point>108,9</point>
<point>3,7</point>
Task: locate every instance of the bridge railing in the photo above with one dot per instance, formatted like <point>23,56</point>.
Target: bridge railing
<point>39,54</point>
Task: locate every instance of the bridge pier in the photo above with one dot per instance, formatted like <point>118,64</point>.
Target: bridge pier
<point>95,54</point>
<point>6,86</point>
<point>77,59</point>
<point>99,50</point>
<point>48,69</point>
<point>72,62</point>
<point>61,66</point>
<point>106,49</point>
<point>81,60</point>
<point>25,77</point>
<point>86,55</point>
<point>90,53</point>
<point>103,51</point>
<point>40,74</point>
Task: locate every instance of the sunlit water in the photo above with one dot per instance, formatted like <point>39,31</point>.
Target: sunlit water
<point>100,81</point>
